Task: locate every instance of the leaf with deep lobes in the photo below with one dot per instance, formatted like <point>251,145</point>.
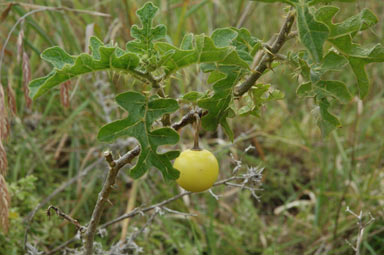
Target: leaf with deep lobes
<point>341,34</point>
<point>312,33</point>
<point>142,113</point>
<point>362,21</point>
<point>146,35</point>
<point>67,66</point>
<point>328,122</point>
<point>336,89</point>
<point>358,57</point>
<point>218,104</point>
<point>199,49</point>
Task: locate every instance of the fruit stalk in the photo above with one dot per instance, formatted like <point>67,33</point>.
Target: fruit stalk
<point>196,146</point>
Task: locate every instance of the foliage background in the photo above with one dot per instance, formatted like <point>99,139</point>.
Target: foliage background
<point>50,144</point>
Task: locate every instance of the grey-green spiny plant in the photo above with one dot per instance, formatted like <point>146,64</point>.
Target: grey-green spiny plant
<point>227,55</point>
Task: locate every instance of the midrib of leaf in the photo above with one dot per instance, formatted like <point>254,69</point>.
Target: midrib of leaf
<point>146,131</point>
<point>340,35</point>
<point>147,137</point>
<point>136,74</point>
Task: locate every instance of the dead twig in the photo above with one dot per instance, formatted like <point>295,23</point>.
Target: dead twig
<point>252,177</point>
<point>137,211</point>
<point>29,217</point>
<point>101,201</point>
<point>362,227</point>
<point>65,216</point>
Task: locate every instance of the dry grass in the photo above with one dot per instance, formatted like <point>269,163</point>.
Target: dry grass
<point>304,178</point>
<point>5,201</point>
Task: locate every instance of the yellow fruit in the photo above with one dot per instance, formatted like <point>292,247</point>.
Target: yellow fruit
<point>198,170</point>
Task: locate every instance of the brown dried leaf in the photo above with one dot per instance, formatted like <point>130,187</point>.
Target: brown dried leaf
<point>5,13</point>
<point>6,52</point>
<point>26,79</point>
<point>64,93</point>
<point>5,201</point>
<point>3,115</point>
<point>3,159</point>
<point>11,98</point>
<point>19,44</point>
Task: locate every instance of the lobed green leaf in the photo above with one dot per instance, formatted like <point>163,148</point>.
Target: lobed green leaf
<point>199,49</point>
<point>146,35</point>
<point>358,57</point>
<point>67,67</point>
<point>217,105</point>
<point>312,34</point>
<point>305,89</point>
<point>328,122</point>
<point>336,89</point>
<point>143,112</point>
<point>362,21</point>
<point>256,97</point>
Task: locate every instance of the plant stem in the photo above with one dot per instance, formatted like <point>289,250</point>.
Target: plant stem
<point>140,210</point>
<point>114,167</point>
<point>267,58</point>
<point>100,204</point>
<point>197,131</point>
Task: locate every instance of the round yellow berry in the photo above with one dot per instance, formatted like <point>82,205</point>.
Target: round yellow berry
<point>198,170</point>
